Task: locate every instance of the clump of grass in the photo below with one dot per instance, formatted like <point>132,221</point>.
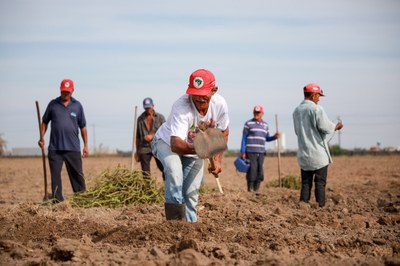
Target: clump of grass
<point>204,189</point>
<point>291,182</point>
<point>119,187</point>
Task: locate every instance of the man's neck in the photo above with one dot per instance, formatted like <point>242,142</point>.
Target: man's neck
<point>65,102</point>
<point>151,113</point>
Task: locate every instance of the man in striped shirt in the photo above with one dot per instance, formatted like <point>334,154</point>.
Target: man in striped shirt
<point>255,134</point>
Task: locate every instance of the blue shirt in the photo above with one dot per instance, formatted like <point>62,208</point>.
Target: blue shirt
<point>255,133</point>
<point>65,124</point>
<point>312,125</point>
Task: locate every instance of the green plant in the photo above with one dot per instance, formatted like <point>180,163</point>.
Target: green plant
<point>119,187</point>
<point>337,150</point>
<point>204,189</point>
<point>291,182</point>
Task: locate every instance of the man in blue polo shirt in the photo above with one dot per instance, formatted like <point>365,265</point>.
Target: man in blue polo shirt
<point>67,117</point>
<point>255,134</point>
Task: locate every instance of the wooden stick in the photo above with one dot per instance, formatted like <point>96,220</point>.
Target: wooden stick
<point>279,151</point>
<point>43,153</point>
<point>134,140</point>
<point>211,161</point>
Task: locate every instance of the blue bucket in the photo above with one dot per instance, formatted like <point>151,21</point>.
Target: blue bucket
<point>241,165</point>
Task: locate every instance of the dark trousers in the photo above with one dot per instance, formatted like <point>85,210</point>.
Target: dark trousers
<point>145,159</point>
<point>73,163</point>
<point>319,178</point>
<point>256,171</point>
<point>255,175</point>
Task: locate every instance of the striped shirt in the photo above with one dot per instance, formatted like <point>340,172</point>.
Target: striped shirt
<point>255,134</point>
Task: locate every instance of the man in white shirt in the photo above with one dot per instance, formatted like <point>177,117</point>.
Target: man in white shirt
<point>201,107</point>
<point>312,125</point>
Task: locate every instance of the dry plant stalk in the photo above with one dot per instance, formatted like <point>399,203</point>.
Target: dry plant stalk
<point>119,187</point>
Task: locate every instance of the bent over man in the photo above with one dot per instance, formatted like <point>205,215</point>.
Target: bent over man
<point>200,107</point>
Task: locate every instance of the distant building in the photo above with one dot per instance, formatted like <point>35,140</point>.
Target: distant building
<point>375,149</point>
<point>282,141</point>
<point>391,149</point>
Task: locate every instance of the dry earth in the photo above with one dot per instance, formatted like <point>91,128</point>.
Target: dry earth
<point>359,226</point>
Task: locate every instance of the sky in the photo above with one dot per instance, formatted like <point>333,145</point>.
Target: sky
<point>261,53</point>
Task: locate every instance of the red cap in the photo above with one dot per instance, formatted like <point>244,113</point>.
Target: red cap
<point>312,87</point>
<point>201,82</point>
<point>67,85</point>
<point>258,109</point>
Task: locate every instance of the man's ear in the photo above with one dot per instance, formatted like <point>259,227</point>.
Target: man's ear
<point>214,90</point>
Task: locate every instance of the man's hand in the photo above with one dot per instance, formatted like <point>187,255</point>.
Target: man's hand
<point>85,152</point>
<point>215,166</point>
<point>41,143</point>
<point>149,137</point>
<point>339,125</point>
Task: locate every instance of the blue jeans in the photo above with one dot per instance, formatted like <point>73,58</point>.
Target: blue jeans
<point>183,177</point>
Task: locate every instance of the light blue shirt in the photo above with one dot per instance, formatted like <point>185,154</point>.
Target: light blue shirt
<point>312,125</point>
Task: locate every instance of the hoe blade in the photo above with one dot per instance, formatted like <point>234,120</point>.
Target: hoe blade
<point>209,143</point>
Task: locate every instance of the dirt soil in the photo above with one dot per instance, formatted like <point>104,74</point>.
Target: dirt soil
<point>360,224</point>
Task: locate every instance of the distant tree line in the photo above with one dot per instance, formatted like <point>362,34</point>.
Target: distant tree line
<point>335,150</point>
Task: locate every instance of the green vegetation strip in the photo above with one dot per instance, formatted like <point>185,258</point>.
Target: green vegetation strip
<point>292,182</point>
<point>119,187</point>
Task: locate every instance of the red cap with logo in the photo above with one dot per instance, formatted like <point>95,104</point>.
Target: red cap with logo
<point>312,87</point>
<point>201,82</point>
<point>258,109</point>
<point>67,85</point>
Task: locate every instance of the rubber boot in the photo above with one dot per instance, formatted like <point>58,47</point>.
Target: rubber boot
<point>175,211</point>
<point>257,185</point>
<point>250,186</point>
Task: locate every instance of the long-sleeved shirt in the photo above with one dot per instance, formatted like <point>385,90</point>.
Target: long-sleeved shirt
<point>255,133</point>
<point>312,125</point>
<point>142,131</point>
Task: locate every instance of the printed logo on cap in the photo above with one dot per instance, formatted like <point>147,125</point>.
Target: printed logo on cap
<point>66,84</point>
<point>198,82</point>
<point>258,108</point>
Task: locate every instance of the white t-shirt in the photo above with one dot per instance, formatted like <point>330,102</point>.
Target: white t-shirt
<point>184,120</point>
